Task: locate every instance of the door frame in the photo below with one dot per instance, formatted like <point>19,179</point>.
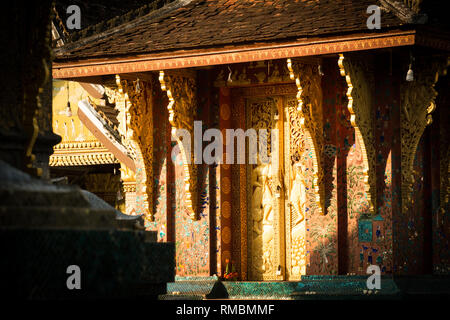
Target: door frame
<point>239,95</point>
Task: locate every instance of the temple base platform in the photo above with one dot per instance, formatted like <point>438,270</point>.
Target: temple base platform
<point>310,288</point>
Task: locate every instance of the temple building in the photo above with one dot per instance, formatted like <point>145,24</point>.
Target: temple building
<point>80,158</point>
<point>356,120</point>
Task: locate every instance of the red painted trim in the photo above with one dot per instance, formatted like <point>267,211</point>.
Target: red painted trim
<point>310,47</point>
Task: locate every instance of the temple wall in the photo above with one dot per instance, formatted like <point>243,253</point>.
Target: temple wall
<point>421,232</point>
<point>347,238</point>
<point>362,239</point>
<point>384,102</point>
<point>424,230</point>
<point>322,230</point>
<point>161,167</point>
<point>172,220</point>
<point>192,237</point>
<point>440,157</point>
<point>410,237</point>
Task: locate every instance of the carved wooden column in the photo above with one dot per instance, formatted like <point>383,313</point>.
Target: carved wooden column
<point>181,91</point>
<point>417,105</point>
<point>309,98</point>
<point>360,80</point>
<point>138,118</point>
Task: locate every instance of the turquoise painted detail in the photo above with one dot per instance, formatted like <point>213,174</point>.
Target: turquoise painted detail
<point>365,230</point>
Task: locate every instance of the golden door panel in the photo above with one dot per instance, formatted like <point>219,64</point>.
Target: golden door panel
<point>276,192</point>
<point>265,212</point>
<point>296,182</point>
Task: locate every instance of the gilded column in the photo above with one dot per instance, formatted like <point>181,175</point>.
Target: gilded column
<point>181,89</point>
<point>309,107</point>
<point>360,80</point>
<point>417,99</point>
<point>138,115</point>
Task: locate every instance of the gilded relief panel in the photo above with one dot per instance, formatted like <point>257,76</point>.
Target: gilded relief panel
<point>264,193</point>
<point>296,182</point>
<point>282,194</point>
<point>181,89</point>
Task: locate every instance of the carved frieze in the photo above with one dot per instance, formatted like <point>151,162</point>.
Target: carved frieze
<point>181,89</point>
<point>360,80</point>
<point>83,153</point>
<point>309,108</point>
<point>258,72</point>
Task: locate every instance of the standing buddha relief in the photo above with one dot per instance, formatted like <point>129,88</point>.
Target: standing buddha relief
<point>297,185</point>
<point>265,193</point>
<point>262,216</point>
<point>297,204</point>
<point>283,192</point>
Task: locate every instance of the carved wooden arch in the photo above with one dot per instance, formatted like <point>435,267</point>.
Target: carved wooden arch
<point>309,98</point>
<point>359,81</point>
<point>417,106</point>
<point>138,105</point>
<point>181,89</point>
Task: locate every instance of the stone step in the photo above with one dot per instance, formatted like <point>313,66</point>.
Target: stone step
<point>260,289</point>
<point>309,288</point>
<point>426,286</point>
<point>182,297</point>
<point>38,260</point>
<point>200,288</point>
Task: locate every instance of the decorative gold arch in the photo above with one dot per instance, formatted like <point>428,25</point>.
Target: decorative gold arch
<point>417,106</point>
<point>309,98</point>
<point>359,81</point>
<point>181,89</point>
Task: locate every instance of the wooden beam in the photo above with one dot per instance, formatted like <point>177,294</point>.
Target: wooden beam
<point>190,59</point>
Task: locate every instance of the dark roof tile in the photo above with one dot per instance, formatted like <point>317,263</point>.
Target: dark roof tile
<point>215,23</point>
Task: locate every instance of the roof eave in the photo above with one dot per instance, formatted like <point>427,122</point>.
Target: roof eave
<point>238,54</point>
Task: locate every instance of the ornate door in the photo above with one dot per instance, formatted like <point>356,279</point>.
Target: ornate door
<point>276,192</point>
<point>297,183</point>
<point>265,191</point>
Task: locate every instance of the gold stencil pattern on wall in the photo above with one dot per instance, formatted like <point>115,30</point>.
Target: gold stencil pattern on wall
<point>226,235</point>
<point>226,209</point>
<point>226,185</point>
